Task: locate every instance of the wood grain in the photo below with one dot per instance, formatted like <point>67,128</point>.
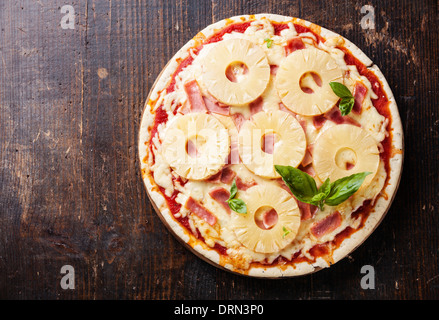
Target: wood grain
<point>71,193</point>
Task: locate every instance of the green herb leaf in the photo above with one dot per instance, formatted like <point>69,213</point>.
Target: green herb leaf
<point>325,187</point>
<point>346,105</point>
<point>233,190</point>
<point>304,188</point>
<point>323,192</point>
<point>347,99</point>
<point>286,232</point>
<point>269,42</point>
<point>317,199</point>
<point>301,184</point>
<point>237,205</point>
<point>343,188</point>
<point>340,90</point>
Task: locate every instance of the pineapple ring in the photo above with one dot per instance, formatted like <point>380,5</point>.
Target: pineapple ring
<point>289,148</point>
<point>281,233</point>
<point>206,135</point>
<point>229,53</point>
<point>295,72</point>
<point>343,150</point>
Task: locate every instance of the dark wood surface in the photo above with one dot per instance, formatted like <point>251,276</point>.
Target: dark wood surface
<point>70,190</point>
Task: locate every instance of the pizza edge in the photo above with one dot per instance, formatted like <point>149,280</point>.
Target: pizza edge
<point>350,243</point>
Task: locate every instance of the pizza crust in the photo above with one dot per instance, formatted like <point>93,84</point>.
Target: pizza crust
<point>211,256</point>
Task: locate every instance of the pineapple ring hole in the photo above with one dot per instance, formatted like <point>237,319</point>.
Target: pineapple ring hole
<point>310,82</point>
<point>236,71</point>
<point>268,142</point>
<point>193,145</point>
<point>266,217</point>
<point>346,158</point>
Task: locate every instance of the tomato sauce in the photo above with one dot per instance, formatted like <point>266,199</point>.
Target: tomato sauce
<point>278,27</point>
<point>183,64</point>
<point>236,27</point>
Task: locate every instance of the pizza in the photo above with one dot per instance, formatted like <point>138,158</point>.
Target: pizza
<point>270,146</point>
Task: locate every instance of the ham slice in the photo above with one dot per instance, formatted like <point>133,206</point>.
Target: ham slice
<point>273,69</point>
<point>226,175</point>
<point>360,91</point>
<point>284,186</point>
<point>335,116</point>
<point>270,218</point>
<point>198,103</point>
<point>293,45</point>
<point>267,220</point>
<point>196,208</point>
<point>318,121</point>
<point>256,106</point>
<point>307,210</point>
<point>215,178</point>
<point>326,225</point>
<point>221,195</point>
<point>238,119</point>
<point>309,169</point>
<point>192,149</point>
<point>215,107</point>
<point>268,142</point>
<point>195,98</point>
<point>236,70</point>
<point>233,157</point>
<point>185,108</point>
<point>244,184</point>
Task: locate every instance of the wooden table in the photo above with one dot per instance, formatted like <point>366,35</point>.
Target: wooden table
<point>70,188</point>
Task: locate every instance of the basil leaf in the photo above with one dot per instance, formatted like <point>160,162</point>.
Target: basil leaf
<point>301,184</point>
<point>347,99</point>
<point>346,105</point>
<point>325,187</point>
<point>304,188</point>
<point>233,190</point>
<point>319,197</point>
<point>317,200</point>
<point>322,193</point>
<point>340,90</point>
<point>269,42</point>
<point>237,205</point>
<point>343,188</point>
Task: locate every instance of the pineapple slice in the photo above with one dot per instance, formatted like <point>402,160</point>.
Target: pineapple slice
<point>271,138</point>
<point>302,81</point>
<point>245,61</point>
<point>284,224</point>
<point>343,150</point>
<point>196,145</point>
